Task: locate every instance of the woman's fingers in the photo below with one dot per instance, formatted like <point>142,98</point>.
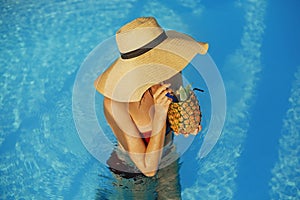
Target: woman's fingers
<point>163,96</point>
<point>160,90</point>
<point>160,94</point>
<point>197,130</point>
<point>161,101</point>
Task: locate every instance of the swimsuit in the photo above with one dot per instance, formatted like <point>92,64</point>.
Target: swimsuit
<point>146,135</point>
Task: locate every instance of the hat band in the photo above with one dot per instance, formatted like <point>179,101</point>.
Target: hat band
<point>145,48</point>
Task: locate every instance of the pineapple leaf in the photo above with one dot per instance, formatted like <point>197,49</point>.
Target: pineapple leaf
<point>188,89</point>
<point>182,94</point>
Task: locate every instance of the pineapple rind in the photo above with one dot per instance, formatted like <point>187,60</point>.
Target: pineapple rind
<point>185,116</point>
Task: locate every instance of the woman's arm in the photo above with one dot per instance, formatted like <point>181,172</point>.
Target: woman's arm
<point>146,158</point>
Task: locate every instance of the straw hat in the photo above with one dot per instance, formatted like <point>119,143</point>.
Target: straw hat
<point>148,56</point>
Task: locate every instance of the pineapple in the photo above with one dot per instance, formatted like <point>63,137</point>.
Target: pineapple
<point>184,116</point>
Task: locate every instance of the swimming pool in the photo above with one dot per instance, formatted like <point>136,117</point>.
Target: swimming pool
<point>43,45</point>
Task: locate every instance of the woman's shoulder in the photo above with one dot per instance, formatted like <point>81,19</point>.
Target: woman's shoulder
<point>106,101</point>
<point>115,107</point>
<point>109,103</point>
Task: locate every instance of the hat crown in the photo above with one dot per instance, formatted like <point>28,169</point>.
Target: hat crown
<point>137,33</point>
<point>139,23</point>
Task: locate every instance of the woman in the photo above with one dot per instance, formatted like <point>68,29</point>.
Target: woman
<point>135,88</point>
<point>141,127</point>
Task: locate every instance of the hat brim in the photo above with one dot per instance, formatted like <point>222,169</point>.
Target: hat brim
<point>127,79</point>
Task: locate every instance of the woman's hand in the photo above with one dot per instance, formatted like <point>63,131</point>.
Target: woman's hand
<point>161,101</point>
<point>197,130</point>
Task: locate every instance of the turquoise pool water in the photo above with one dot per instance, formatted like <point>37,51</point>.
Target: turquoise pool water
<point>254,45</point>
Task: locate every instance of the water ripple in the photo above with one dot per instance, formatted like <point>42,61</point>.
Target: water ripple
<point>285,181</point>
